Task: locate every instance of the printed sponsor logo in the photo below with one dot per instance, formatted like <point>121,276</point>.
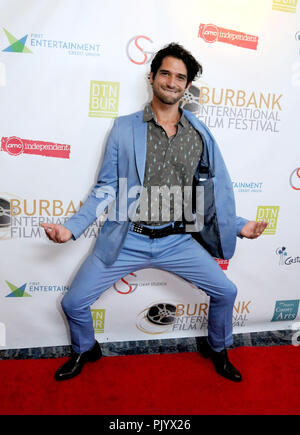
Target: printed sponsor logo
<point>268,213</point>
<point>247,186</point>
<point>234,109</point>
<point>296,335</point>
<point>16,45</point>
<point>104,99</point>
<point>285,5</point>
<point>40,288</point>
<point>295,179</point>
<point>285,310</point>
<point>39,41</point>
<point>211,33</point>
<point>98,317</point>
<point>284,258</point>
<point>21,218</point>
<point>136,53</point>
<point>124,287</point>
<point>17,292</point>
<point>165,317</point>
<point>15,146</point>
<point>128,285</point>
<point>222,263</point>
<point>35,287</point>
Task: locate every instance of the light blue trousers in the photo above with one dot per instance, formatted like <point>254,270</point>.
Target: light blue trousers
<point>179,254</point>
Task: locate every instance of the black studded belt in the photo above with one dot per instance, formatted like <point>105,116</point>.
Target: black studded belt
<point>153,233</point>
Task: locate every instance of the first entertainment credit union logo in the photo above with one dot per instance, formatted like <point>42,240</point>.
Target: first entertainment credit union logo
<point>38,40</point>
<point>16,45</point>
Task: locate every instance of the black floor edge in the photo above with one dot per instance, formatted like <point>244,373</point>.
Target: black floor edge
<point>142,347</point>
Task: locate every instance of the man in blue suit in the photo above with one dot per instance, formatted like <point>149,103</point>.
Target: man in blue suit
<point>149,154</point>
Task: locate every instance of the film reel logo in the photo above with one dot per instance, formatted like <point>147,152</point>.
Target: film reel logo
<point>190,100</point>
<point>157,318</point>
<point>5,217</point>
<point>6,212</point>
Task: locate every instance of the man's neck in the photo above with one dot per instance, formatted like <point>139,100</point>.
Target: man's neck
<point>165,113</point>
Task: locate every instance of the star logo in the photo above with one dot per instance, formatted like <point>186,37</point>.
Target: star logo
<point>17,292</point>
<point>16,45</point>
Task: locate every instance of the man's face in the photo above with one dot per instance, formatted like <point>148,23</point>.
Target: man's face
<point>170,81</point>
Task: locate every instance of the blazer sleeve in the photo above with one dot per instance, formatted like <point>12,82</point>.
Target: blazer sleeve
<point>103,193</point>
<point>240,222</point>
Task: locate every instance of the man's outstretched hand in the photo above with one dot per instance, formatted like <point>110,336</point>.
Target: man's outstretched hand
<point>253,229</point>
<point>57,233</point>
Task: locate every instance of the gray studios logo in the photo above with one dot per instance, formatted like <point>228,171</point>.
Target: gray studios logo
<point>135,51</point>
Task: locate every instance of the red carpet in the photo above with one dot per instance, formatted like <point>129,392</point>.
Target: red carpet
<point>170,384</point>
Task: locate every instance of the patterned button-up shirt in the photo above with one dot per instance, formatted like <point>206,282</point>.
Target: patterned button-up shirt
<point>170,166</point>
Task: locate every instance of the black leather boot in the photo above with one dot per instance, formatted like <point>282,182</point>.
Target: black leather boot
<point>75,364</point>
<point>221,362</point>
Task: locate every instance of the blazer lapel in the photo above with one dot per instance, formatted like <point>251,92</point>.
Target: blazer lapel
<point>140,144</point>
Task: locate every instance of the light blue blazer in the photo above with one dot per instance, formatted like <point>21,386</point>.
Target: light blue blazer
<point>124,159</point>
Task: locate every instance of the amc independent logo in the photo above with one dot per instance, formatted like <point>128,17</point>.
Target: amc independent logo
<point>212,33</point>
<point>15,146</point>
<point>98,320</point>
<point>285,5</point>
<point>104,99</point>
<point>268,213</point>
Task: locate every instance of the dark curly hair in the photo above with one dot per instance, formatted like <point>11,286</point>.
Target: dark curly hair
<point>194,69</point>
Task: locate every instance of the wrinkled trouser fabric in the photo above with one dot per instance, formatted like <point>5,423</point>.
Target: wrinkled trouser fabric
<point>179,254</point>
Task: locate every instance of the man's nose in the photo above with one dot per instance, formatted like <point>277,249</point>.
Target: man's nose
<point>171,81</point>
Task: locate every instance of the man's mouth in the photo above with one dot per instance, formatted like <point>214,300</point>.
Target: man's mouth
<point>172,91</point>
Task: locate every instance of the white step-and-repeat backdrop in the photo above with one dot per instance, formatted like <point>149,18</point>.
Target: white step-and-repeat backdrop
<point>67,68</point>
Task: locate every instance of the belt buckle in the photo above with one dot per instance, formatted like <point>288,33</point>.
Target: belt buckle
<point>152,234</point>
<point>137,228</point>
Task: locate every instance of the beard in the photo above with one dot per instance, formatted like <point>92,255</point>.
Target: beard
<point>167,96</point>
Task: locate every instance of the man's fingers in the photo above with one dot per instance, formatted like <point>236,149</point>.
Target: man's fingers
<point>260,227</point>
<point>50,230</point>
<point>57,233</point>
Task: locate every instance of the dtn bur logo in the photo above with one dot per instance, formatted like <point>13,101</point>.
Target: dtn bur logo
<point>268,213</point>
<point>98,320</point>
<point>104,99</point>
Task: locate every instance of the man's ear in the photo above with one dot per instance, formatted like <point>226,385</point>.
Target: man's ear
<point>151,78</point>
<point>188,86</point>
